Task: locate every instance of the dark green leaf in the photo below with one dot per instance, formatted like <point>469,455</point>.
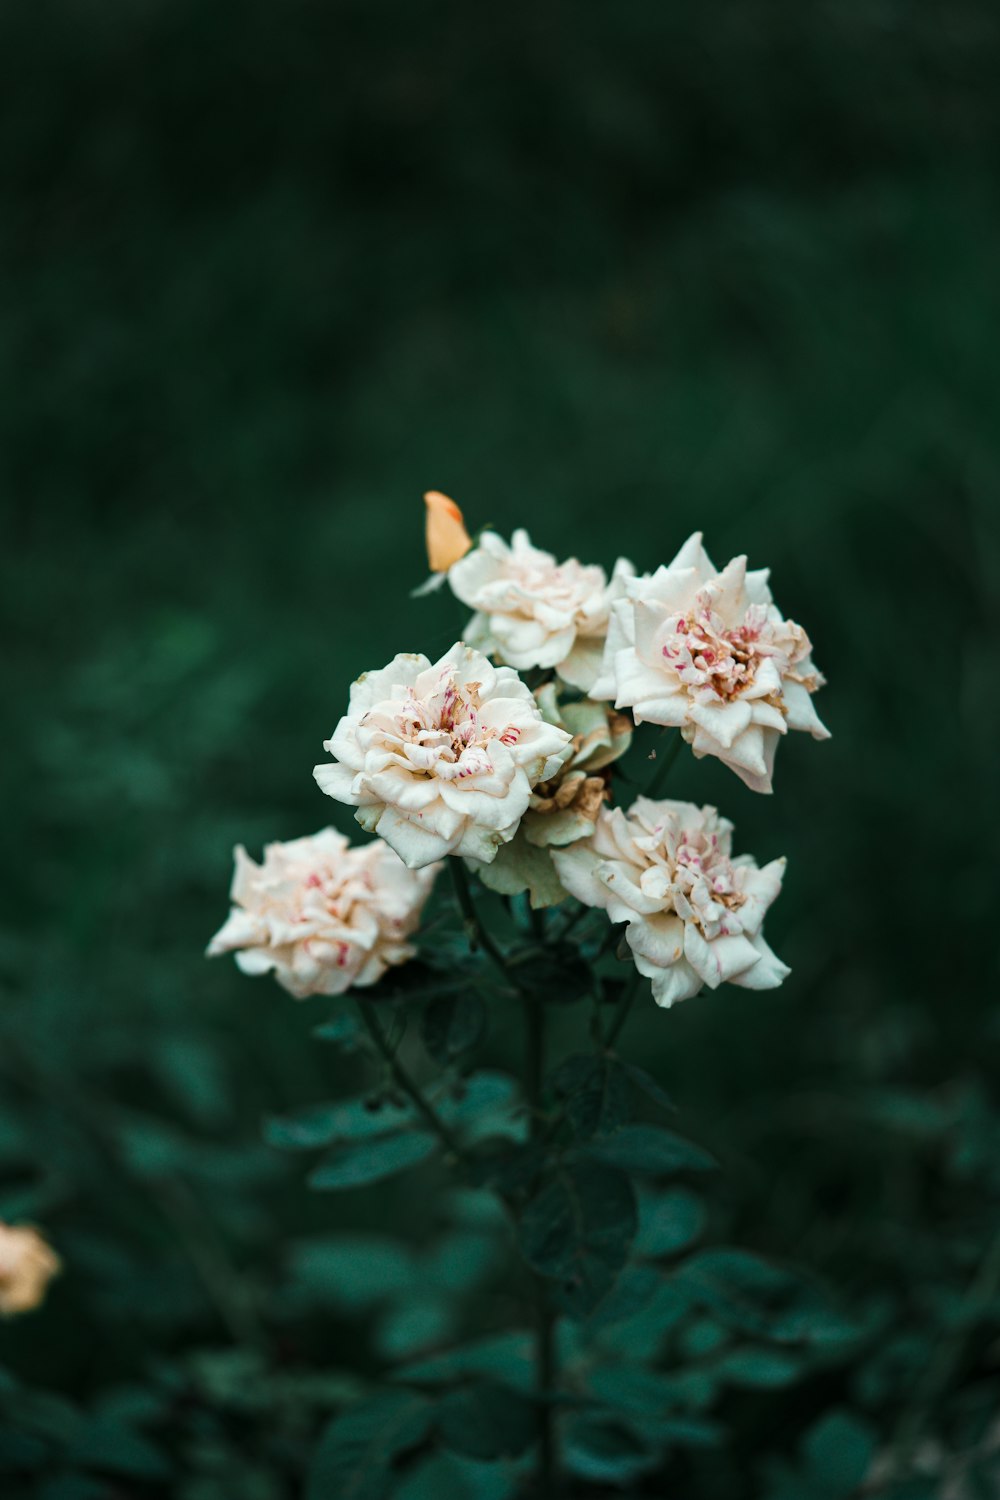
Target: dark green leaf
<point>768,1369</point>
<point>453,1025</point>
<point>668,1221</point>
<point>342,1030</point>
<point>504,1357</point>
<point>351,1271</point>
<point>487,1420</point>
<point>559,976</point>
<point>593,1090</point>
<point>449,1476</point>
<point>355,1454</point>
<point>578,1230</point>
<point>839,1450</point>
<point>648,1085</point>
<point>604,1450</point>
<point>649,1150</point>
<point>484,1105</point>
<point>322,1124</point>
<point>106,1444</point>
<point>371,1161</point>
<point>758,1298</point>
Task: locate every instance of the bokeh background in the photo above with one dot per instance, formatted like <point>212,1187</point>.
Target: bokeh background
<point>612,272</point>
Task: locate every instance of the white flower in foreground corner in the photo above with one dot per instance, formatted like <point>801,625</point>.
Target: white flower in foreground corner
<point>321,914</point>
<point>710,653</point>
<point>535,612</point>
<point>694,913</point>
<point>27,1265</point>
<point>441,759</point>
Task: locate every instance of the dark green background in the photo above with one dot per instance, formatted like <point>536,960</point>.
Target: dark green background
<point>611,272</point>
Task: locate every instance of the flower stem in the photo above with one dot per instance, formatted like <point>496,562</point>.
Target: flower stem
<point>624,1006</point>
<point>547,1477</point>
<point>403,1080</point>
<point>662,771</point>
<point>476,933</point>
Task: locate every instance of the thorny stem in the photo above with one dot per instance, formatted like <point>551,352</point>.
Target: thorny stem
<point>476,933</point>
<point>403,1080</point>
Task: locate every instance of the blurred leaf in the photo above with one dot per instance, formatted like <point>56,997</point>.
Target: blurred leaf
<point>668,1221</point>
<point>487,1420</point>
<point>372,1161</point>
<point>352,1271</point>
<point>593,1089</point>
<point>321,1124</point>
<point>650,1150</point>
<point>410,1325</point>
<point>578,1230</point>
<point>342,1030</point>
<point>357,1450</point>
<point>453,1025</point>
<point>604,1450</point>
<point>118,1448</point>
<point>768,1369</point>
<point>648,1085</point>
<point>503,1357</point>
<point>449,1476</point>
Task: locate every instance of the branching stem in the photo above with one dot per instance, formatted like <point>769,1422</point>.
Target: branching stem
<point>404,1081</point>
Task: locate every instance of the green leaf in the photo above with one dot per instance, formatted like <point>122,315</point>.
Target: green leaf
<point>453,1025</point>
<point>594,1091</point>
<point>321,1124</point>
<point>648,1085</point>
<point>371,1161</point>
<point>487,1420</point>
<point>649,1150</point>
<point>559,976</point>
<point>668,1221</point>
<point>351,1271</point>
<point>449,1476</point>
<point>484,1106</point>
<point>752,1295</point>
<point>839,1450</point>
<point>604,1450</point>
<point>507,1358</point>
<point>354,1457</point>
<point>413,1324</point>
<point>106,1444</point>
<point>578,1230</point>
<point>766,1369</point>
<point>342,1030</point>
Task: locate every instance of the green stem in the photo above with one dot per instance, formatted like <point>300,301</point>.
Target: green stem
<point>624,1006</point>
<point>403,1080</point>
<point>662,771</point>
<point>476,933</point>
<point>547,1477</point>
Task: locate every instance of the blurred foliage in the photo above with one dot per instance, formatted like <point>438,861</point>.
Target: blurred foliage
<point>615,273</point>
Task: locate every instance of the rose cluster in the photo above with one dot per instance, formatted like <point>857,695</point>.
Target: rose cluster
<point>514,774</point>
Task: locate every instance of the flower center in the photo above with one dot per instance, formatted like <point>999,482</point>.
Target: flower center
<point>448,730</point>
<point>706,875</point>
<point>704,653</point>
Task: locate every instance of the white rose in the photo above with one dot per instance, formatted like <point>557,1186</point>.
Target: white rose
<point>322,915</point>
<point>535,612</point>
<point>27,1265</point>
<point>710,653</point>
<point>694,913</point>
<point>441,759</point>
